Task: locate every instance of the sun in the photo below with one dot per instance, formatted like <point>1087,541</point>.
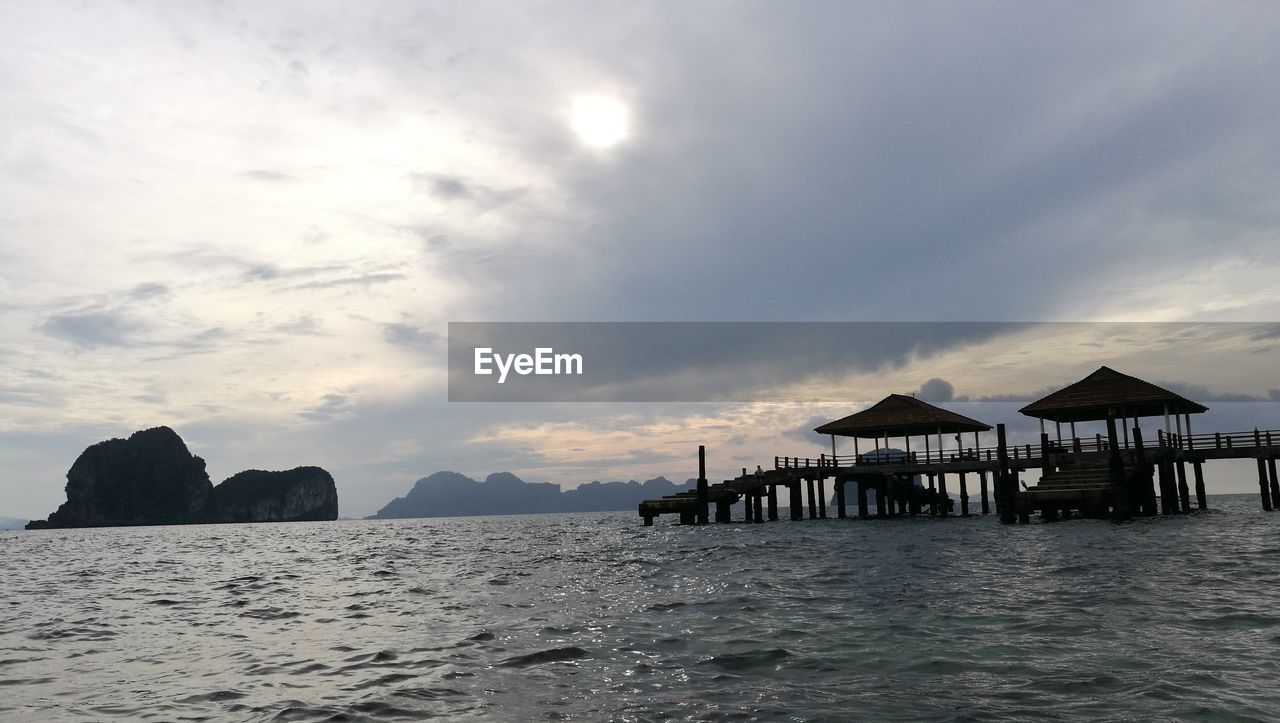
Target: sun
<point>599,120</point>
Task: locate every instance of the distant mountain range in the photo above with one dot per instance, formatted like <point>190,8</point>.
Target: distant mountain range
<point>11,523</point>
<point>449,494</point>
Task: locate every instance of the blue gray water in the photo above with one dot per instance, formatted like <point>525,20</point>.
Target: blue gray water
<point>592,616</point>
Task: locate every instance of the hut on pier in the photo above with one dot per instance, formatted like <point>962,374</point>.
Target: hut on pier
<point>1088,478</point>
<point>1107,393</point>
<point>898,415</point>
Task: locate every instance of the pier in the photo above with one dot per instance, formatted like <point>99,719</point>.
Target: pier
<point>1117,475</point>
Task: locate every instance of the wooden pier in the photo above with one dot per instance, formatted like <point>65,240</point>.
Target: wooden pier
<point>1118,475</point>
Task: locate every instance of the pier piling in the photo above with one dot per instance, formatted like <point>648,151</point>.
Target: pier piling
<point>862,500</point>
<point>1184,494</point>
<point>702,484</point>
<point>822,497</point>
<point>964,496</point>
<point>1275,483</point>
<point>796,501</point>
<point>1264,490</point>
<point>1198,471</point>
<point>813,498</point>
<point>982,487</point>
<point>841,513</point>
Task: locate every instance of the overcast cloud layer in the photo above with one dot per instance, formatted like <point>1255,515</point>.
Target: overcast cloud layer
<point>252,221</point>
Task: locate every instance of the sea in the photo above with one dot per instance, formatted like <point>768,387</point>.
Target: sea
<point>594,617</point>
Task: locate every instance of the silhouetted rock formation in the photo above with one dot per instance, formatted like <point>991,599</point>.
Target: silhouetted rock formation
<point>299,495</point>
<point>151,478</point>
<point>148,479</point>
<point>449,494</point>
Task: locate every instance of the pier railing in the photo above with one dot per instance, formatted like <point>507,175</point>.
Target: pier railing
<point>1097,443</point>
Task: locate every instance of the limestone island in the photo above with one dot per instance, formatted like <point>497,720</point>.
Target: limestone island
<point>151,478</point>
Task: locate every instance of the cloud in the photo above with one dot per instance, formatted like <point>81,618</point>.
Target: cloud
<point>267,175</point>
<point>93,329</point>
<point>331,406</point>
<point>409,336</point>
<point>361,280</point>
<point>304,325</point>
<point>936,390</point>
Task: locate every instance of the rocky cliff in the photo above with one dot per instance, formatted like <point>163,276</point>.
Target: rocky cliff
<point>151,478</point>
<point>148,479</point>
<point>301,494</point>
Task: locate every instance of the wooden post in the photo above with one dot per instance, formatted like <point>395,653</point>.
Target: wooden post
<point>688,517</point>
<point>759,503</point>
<point>1275,483</point>
<point>1263,490</point>
<point>1005,487</point>
<point>982,487</point>
<point>890,494</point>
<point>723,508</point>
<point>933,496</point>
<point>840,510</point>
<point>648,520</point>
<point>1184,494</point>
<point>822,497</point>
<point>1046,467</point>
<point>1168,493</point>
<point>880,506</point>
<point>1201,501</point>
<point>813,502</point>
<point>862,500</point>
<point>773,501</point>
<point>964,497</point>
<point>1143,478</point>
<point>702,508</point>
<point>1120,507</point>
<point>943,499</point>
<point>797,500</point>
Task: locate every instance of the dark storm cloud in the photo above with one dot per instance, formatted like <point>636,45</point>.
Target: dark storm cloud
<point>907,161</point>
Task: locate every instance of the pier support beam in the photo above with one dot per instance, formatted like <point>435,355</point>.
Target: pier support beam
<point>933,496</point>
<point>1275,483</point>
<point>813,499</point>
<point>1168,494</point>
<point>881,510</point>
<point>964,496</point>
<point>982,486</point>
<point>688,517</point>
<point>723,511</point>
<point>648,520</point>
<point>1184,494</point>
<point>862,500</point>
<point>943,499</point>
<point>759,503</point>
<point>1197,468</point>
<point>1264,490</point>
<point>822,497</point>
<point>796,502</point>
<point>841,513</point>
<point>702,484</point>
<point>1006,483</point>
<point>773,502</point>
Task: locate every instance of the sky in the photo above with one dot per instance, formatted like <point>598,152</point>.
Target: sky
<point>252,222</point>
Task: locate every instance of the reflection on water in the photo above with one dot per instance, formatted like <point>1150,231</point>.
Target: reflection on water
<point>591,616</point>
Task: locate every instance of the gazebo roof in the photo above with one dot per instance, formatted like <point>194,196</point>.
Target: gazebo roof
<point>1107,390</point>
<point>898,415</point>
